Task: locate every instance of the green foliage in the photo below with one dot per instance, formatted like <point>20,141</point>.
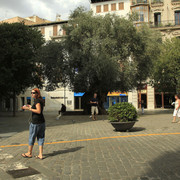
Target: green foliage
<point>101,54</point>
<point>166,76</point>
<point>51,58</point>
<point>122,112</point>
<point>100,48</point>
<point>18,47</point>
<point>146,52</point>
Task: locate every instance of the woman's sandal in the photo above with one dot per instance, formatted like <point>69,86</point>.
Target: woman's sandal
<point>37,157</point>
<point>25,156</point>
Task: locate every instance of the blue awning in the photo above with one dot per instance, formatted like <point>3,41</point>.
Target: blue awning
<point>28,97</point>
<point>78,94</point>
<point>44,97</point>
<point>123,94</point>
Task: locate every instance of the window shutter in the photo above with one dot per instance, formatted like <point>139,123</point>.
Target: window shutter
<point>113,7</point>
<point>55,30</point>
<point>121,6</point>
<point>43,31</point>
<point>106,9</point>
<point>98,9</point>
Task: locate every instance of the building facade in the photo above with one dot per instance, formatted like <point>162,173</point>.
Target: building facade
<point>162,15</point>
<point>118,7</point>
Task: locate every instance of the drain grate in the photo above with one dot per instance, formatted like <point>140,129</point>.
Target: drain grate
<point>23,172</point>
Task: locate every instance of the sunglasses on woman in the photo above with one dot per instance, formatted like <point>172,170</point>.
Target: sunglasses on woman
<point>33,92</point>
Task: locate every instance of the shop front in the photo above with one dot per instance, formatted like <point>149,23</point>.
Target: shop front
<point>142,96</point>
<point>78,105</point>
<point>115,97</point>
<point>163,100</point>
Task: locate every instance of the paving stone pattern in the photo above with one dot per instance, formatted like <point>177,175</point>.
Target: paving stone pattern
<point>154,157</point>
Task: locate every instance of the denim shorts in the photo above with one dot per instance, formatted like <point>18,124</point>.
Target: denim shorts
<point>36,130</point>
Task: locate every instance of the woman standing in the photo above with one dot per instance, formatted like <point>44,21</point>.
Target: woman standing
<point>176,108</point>
<point>37,125</point>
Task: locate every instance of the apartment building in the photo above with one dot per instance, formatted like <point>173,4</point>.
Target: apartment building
<point>162,15</point>
<point>118,7</point>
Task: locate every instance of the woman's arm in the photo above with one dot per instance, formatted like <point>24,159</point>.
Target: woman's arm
<point>178,104</point>
<point>37,110</point>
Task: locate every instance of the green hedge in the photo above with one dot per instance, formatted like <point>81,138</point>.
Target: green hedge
<point>122,112</point>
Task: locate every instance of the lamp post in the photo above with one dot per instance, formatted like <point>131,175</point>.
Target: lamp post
<point>64,95</point>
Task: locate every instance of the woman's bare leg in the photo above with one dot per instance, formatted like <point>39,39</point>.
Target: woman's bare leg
<point>40,152</point>
<point>174,119</point>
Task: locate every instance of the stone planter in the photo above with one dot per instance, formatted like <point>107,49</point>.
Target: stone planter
<point>123,126</point>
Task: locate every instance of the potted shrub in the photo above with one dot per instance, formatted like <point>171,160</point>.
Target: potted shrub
<point>122,116</point>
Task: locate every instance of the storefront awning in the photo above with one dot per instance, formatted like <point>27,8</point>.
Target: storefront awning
<point>117,94</point>
<point>78,94</point>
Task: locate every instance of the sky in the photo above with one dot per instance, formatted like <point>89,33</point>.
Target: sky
<point>47,9</point>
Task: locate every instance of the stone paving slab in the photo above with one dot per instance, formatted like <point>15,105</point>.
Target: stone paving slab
<point>140,157</point>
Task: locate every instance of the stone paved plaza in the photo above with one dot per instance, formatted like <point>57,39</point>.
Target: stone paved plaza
<point>80,149</point>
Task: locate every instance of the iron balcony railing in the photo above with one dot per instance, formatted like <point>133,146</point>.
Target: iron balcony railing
<point>156,1</point>
<point>165,23</point>
<point>134,2</point>
<point>175,0</point>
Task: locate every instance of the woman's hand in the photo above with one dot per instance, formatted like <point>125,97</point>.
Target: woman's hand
<point>26,107</point>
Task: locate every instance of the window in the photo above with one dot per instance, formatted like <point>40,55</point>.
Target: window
<point>64,32</point>
<point>55,30</point>
<point>43,31</point>
<point>141,17</point>
<point>29,100</point>
<point>177,18</point>
<point>106,8</point>
<point>98,9</point>
<point>44,100</point>
<point>157,19</point>
<point>143,12</point>
<point>113,7</point>
<point>121,6</point>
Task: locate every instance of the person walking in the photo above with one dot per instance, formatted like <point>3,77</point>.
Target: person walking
<point>94,106</point>
<point>176,108</point>
<point>37,124</point>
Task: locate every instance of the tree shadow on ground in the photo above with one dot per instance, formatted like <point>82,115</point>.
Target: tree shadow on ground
<point>165,167</point>
<point>69,150</point>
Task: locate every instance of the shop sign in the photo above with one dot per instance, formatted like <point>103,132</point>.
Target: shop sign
<point>117,94</point>
<point>59,98</point>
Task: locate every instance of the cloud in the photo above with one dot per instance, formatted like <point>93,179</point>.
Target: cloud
<point>43,8</point>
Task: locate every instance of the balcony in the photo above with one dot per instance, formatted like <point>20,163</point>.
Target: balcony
<point>165,24</point>
<point>157,1</point>
<point>175,0</point>
<point>136,2</point>
<point>97,1</point>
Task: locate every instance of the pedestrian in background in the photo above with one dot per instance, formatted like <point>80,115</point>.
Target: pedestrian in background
<point>94,106</point>
<point>61,111</point>
<point>37,124</point>
<point>176,108</point>
<point>142,106</point>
